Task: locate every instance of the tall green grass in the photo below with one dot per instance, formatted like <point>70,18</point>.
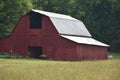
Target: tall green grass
<point>26,69</point>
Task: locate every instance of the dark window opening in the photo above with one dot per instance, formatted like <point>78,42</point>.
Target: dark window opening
<point>35,52</point>
<point>35,20</point>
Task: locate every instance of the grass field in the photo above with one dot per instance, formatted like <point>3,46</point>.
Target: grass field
<point>35,69</point>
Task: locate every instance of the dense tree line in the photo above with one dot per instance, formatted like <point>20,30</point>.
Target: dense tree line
<point>10,12</point>
<point>101,17</point>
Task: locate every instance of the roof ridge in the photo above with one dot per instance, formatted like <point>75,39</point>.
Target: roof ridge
<point>56,15</point>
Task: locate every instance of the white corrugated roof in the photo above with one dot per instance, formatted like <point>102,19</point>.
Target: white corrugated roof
<point>71,27</point>
<point>85,40</point>
<point>66,24</point>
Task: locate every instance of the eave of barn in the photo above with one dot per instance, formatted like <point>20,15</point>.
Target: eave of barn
<point>85,40</point>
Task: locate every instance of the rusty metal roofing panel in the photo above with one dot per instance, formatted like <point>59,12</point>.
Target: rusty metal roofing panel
<point>85,40</point>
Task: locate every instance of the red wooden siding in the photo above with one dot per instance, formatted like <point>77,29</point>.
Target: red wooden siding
<point>54,46</point>
<point>89,52</point>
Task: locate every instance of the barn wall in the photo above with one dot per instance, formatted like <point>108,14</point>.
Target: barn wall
<point>18,41</point>
<point>54,46</point>
<point>89,52</point>
<point>21,36</point>
<point>5,45</point>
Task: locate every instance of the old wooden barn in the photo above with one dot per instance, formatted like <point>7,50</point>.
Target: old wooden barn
<point>57,36</point>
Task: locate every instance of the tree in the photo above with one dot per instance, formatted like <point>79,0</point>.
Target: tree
<point>106,16</point>
<point>10,11</point>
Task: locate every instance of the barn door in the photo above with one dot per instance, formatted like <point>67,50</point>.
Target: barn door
<point>35,51</point>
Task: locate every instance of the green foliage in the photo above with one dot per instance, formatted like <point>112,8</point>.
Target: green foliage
<point>10,11</point>
<point>106,15</point>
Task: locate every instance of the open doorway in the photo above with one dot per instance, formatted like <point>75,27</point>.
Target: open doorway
<point>35,52</point>
<point>35,20</point>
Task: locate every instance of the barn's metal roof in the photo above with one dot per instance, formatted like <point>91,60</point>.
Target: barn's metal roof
<point>70,27</point>
<point>85,40</point>
<point>66,24</point>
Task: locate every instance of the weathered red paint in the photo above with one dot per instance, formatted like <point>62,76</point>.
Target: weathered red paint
<point>54,46</point>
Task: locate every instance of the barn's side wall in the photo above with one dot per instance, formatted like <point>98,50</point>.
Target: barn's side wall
<point>89,52</point>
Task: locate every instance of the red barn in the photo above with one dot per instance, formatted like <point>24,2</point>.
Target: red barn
<point>58,36</point>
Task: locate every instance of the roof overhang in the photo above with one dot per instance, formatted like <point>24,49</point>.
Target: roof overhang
<point>85,40</point>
